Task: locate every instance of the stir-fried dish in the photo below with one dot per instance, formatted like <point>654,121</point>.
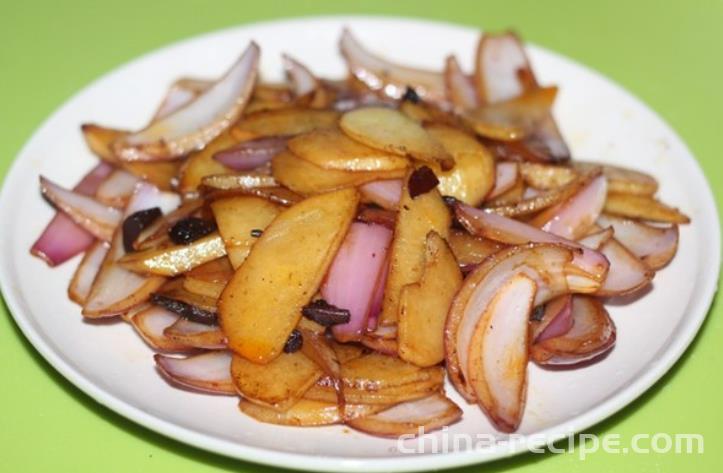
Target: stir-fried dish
<point>331,251</point>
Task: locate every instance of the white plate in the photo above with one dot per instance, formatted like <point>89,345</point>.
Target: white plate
<point>111,364</point>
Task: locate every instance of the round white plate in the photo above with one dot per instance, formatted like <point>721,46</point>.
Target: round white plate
<point>110,363</point>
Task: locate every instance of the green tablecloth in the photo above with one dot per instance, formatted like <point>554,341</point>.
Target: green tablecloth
<point>668,53</point>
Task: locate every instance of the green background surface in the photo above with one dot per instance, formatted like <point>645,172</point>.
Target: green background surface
<point>669,53</point>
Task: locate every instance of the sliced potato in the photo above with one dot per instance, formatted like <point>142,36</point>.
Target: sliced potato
<point>332,149</point>
<point>546,176</point>
<point>473,175</point>
<point>389,130</point>
<point>175,289</point>
<point>176,259</point>
<point>295,252</point>
<point>471,250</point>
<point>423,306</point>
<point>307,179</point>
<point>278,384</point>
<point>240,221</point>
<point>321,391</point>
<point>622,180</point>
<point>417,217</point>
<point>283,122</point>
<point>642,207</point>
<point>510,197</point>
<point>374,371</point>
<point>209,279</point>
<point>307,413</point>
<point>200,164</point>
<point>230,182</point>
<point>99,139</point>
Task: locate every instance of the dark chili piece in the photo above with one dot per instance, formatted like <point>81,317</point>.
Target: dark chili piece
<point>325,314</point>
<point>422,181</point>
<point>190,229</point>
<point>185,310</point>
<point>135,223</point>
<point>411,95</point>
<point>537,313</point>
<point>294,342</point>
<point>256,232</point>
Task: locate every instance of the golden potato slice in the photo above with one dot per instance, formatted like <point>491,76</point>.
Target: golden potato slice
<point>473,175</point>
<point>423,306</point>
<point>642,207</point>
<point>307,413</point>
<point>203,288</point>
<point>332,149</point>
<point>161,174</point>
<point>200,164</point>
<point>209,279</point>
<point>176,290</point>
<point>375,371</point>
<point>231,182</point>
<point>391,395</point>
<point>99,139</point>
<point>389,130</point>
<point>293,254</point>
<point>307,179</point>
<point>283,122</point>
<point>546,176</point>
<point>278,384</point>
<point>471,250</point>
<point>622,180</point>
<point>346,351</point>
<point>175,259</point>
<point>417,217</point>
<point>241,220</point>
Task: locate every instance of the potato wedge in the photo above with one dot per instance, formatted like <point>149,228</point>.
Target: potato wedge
<point>200,164</point>
<point>296,251</point>
<point>240,221</point>
<point>642,207</point>
<point>332,149</point>
<point>417,217</point>
<point>176,259</point>
<point>389,130</point>
<point>473,175</point>
<point>423,306</point>
<point>307,179</point>
<point>283,122</point>
<point>278,384</point>
<point>307,413</point>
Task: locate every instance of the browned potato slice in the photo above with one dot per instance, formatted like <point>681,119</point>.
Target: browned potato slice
<point>392,131</point>
<point>209,279</point>
<point>346,351</point>
<point>471,250</point>
<point>510,196</point>
<point>643,207</point>
<point>473,175</point>
<point>546,176</point>
<point>175,289</point>
<point>622,180</point>
<point>175,259</point>
<point>424,305</point>
<point>161,174</point>
<point>99,139</point>
<point>293,254</point>
<point>241,220</point>
<point>417,217</point>
<point>374,371</point>
<point>305,178</point>
<point>307,413</point>
<point>321,391</point>
<point>278,384</point>
<point>203,288</point>
<point>283,122</point>
<point>332,149</point>
<point>246,180</point>
<point>200,164</point>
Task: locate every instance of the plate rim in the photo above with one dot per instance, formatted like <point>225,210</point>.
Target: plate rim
<point>299,461</point>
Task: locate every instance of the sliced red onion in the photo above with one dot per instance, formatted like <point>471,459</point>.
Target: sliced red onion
<point>592,334</point>
<point>117,188</point>
<point>627,272</point>
<point>500,64</point>
<point>302,80</point>
<point>386,193</point>
<point>62,238</point>
<point>197,123</point>
<point>574,217</point>
<point>96,218</point>
<point>180,94</point>
<point>411,417</point>
<point>249,155</point>
<point>507,230</point>
<point>116,289</point>
<point>388,78</point>
<point>86,272</point>
<point>378,299</point>
<point>561,318</point>
<point>353,275</point>
<point>506,175</point>
<point>656,246</point>
<point>209,372</point>
<point>150,324</point>
<point>460,89</point>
